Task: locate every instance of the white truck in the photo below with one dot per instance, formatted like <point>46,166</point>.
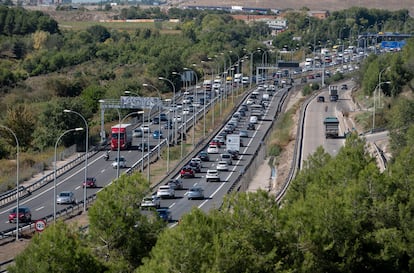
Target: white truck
<point>238,77</point>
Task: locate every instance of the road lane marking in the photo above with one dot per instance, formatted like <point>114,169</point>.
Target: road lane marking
<point>172,205</point>
<point>40,208</point>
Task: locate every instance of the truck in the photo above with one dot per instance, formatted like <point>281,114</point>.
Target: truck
<point>208,85</point>
<point>331,127</point>
<point>125,131</point>
<point>333,92</point>
<point>238,78</point>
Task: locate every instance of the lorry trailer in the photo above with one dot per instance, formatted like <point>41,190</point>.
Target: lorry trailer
<point>331,127</point>
<point>125,131</point>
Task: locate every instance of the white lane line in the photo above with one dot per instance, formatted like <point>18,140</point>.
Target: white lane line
<point>77,188</point>
<point>40,208</point>
<point>172,205</point>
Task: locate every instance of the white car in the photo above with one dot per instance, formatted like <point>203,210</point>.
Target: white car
<point>122,163</point>
<point>253,119</point>
<point>137,132</point>
<point>65,197</point>
<point>166,192</point>
<point>176,119</point>
<point>145,128</point>
<point>222,166</point>
<point>186,111</point>
<point>212,175</point>
<point>151,202</point>
<point>212,149</point>
<point>250,101</point>
<point>197,160</point>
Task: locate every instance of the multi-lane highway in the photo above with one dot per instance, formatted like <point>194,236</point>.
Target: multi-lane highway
<point>42,201</point>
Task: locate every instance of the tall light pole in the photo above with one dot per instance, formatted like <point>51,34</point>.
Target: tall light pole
<point>373,113</point>
<point>148,147</point>
<point>194,111</point>
<point>142,137</point>
<point>17,178</point>
<point>159,116</point>
<point>251,65</point>
<point>54,168</point>
<point>86,153</point>
<point>379,80</point>
<point>173,101</point>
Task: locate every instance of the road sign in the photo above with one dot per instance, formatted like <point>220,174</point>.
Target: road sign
<point>40,225</point>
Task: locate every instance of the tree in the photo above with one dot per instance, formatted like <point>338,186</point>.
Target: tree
<point>120,231</point>
<point>59,248</point>
<point>21,120</point>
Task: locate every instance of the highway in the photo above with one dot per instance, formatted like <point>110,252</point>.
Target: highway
<point>42,201</point>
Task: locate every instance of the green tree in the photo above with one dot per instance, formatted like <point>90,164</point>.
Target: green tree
<point>59,248</point>
<point>121,232</point>
<point>22,122</point>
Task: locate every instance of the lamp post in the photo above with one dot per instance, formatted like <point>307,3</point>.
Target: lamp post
<point>142,137</point>
<point>148,147</point>
<point>17,179</point>
<point>194,111</point>
<point>373,113</point>
<point>173,101</point>
<point>159,116</point>
<point>251,65</point>
<point>379,80</point>
<point>86,152</point>
<point>54,168</point>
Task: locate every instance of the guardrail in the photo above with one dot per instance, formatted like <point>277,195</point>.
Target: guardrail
<point>11,195</point>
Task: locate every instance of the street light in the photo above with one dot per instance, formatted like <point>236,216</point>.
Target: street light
<point>17,179</point>
<point>159,116</point>
<point>194,111</point>
<point>373,113</point>
<point>174,105</point>
<point>142,137</point>
<point>251,65</point>
<point>54,168</point>
<point>86,153</point>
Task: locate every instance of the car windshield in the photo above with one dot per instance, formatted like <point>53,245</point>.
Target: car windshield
<point>64,194</point>
<point>21,210</point>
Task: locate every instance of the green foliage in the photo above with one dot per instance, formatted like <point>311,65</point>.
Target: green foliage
<point>59,248</point>
<point>99,33</point>
<point>123,235</point>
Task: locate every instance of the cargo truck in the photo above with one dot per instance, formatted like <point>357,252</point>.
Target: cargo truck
<point>125,131</point>
<point>331,127</point>
<point>333,93</point>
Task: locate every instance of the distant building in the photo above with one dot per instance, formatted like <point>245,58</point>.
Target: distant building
<point>276,24</point>
<point>320,14</point>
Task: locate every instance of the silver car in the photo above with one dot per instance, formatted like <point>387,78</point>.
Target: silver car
<point>195,193</point>
<point>151,202</point>
<point>65,197</point>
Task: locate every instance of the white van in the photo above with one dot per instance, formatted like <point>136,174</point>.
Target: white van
<point>265,96</point>
<point>253,119</point>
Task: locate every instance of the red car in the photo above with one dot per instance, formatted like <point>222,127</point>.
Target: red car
<point>215,142</point>
<point>24,215</point>
<point>90,182</point>
<point>187,171</point>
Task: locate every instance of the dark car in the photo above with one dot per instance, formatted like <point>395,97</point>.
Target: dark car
<point>187,171</point>
<point>344,87</point>
<point>24,215</point>
<point>168,125</point>
<point>164,214</point>
<point>234,154</point>
<point>196,166</point>
<point>176,184</point>
<point>90,182</point>
<point>143,146</point>
<point>251,126</point>
<point>321,99</point>
<point>156,120</point>
<point>203,155</point>
<point>163,117</point>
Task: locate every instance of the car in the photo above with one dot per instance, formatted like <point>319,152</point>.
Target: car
<point>137,132</point>
<point>145,128</point>
<point>222,165</point>
<point>65,197</point>
<point>143,146</point>
<point>212,149</point>
<point>176,119</point>
<point>151,202</point>
<point>234,154</point>
<point>344,87</point>
<point>121,162</point>
<point>164,214</point>
<point>157,134</point>
<point>168,125</point>
<point>186,111</point>
<point>90,182</point>
<point>156,120</point>
<point>250,101</point>
<point>226,157</point>
<point>320,99</point>
<point>195,193</point>
<point>251,126</point>
<point>212,175</point>
<point>187,171</point>
<point>203,155</point>
<point>216,142</point>
<point>253,119</point>
<point>165,191</point>
<point>229,128</point>
<point>197,160</point>
<point>163,117</point>
<point>195,166</point>
<point>221,140</point>
<point>176,184</point>
<point>243,133</point>
<point>24,215</point>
